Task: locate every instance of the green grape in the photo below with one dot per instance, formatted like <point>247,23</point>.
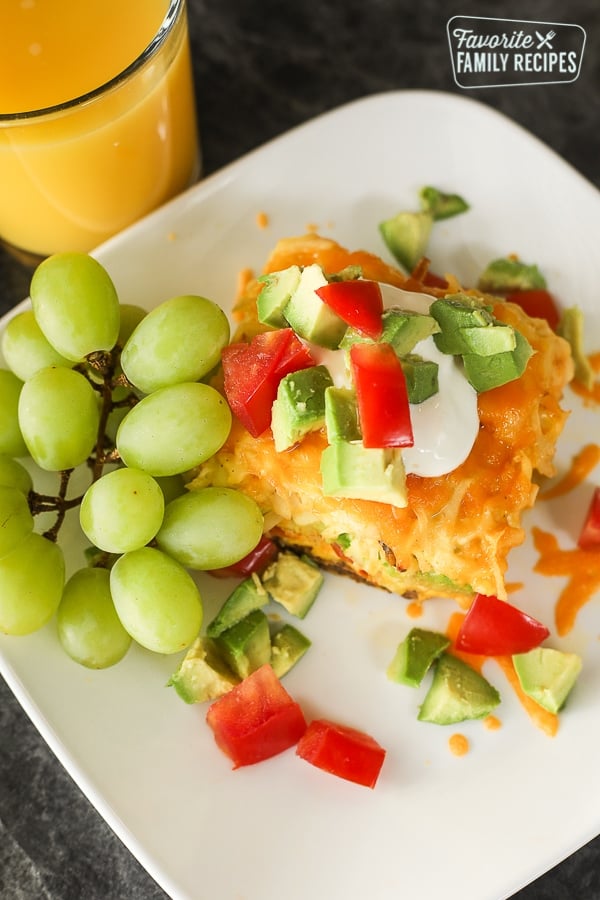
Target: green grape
<point>156,599</point>
<point>32,577</point>
<point>89,628</point>
<point>210,528</point>
<point>13,474</point>
<point>122,511</point>
<point>181,340</point>
<point>25,348</point>
<point>174,429</point>
<point>75,304</point>
<point>11,438</point>
<point>59,416</point>
<point>16,521</point>
<point>130,317</point>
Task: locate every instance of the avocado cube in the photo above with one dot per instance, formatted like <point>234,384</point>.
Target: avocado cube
<point>404,329</point>
<point>202,675</point>
<point>288,646</point>
<point>440,204</point>
<point>415,655</point>
<point>406,236</point>
<point>421,376</point>
<point>246,646</point>
<point>276,294</point>
<point>309,316</point>
<point>294,582</point>
<point>570,327</point>
<point>245,598</point>
<point>457,692</point>
<point>487,372</point>
<point>341,415</point>
<point>547,675</point>
<point>489,339</point>
<point>506,275</point>
<point>300,405</point>
<point>459,311</point>
<point>363,473</point>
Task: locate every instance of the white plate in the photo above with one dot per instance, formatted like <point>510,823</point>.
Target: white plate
<point>475,827</point>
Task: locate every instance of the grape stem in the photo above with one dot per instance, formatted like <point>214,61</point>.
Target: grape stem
<point>103,364</point>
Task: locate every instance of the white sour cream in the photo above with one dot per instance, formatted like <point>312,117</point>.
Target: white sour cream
<point>444,426</point>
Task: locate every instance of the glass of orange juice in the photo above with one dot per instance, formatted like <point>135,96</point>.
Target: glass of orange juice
<point>97,118</point>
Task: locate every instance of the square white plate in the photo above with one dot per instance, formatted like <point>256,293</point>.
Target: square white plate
<point>477,827</point>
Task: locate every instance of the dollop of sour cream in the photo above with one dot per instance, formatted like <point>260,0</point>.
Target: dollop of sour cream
<point>445,425</point>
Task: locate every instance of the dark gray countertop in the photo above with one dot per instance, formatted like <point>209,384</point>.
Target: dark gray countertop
<point>258,72</point>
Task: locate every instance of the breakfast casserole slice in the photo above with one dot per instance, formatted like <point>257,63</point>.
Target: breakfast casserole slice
<point>452,534</point>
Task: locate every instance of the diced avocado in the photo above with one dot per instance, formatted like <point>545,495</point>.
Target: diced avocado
<point>547,675</point>
<point>275,295</point>
<point>202,674</point>
<point>460,311</point>
<point>348,273</point>
<point>487,372</point>
<point>407,235</point>
<point>421,376</point>
<point>490,339</point>
<point>404,329</point>
<point>440,204</point>
<point>354,336</point>
<point>457,692</point>
<point>415,655</point>
<point>246,646</point>
<point>294,582</point>
<point>300,405</point>
<point>505,275</point>
<point>363,473</point>
<point>341,415</point>
<point>570,327</point>
<point>309,316</point>
<point>245,598</point>
<point>288,645</point>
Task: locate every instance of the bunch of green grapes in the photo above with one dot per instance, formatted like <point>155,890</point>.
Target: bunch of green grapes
<point>95,383</point>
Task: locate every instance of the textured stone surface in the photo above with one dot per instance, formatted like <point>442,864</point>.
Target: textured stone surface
<point>261,67</point>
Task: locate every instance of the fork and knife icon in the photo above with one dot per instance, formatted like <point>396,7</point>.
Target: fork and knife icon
<point>544,40</point>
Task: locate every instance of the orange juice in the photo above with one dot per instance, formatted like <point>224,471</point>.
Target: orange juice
<point>72,175</point>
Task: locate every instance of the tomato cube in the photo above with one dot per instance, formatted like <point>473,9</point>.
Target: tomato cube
<point>342,751</point>
<point>359,303</point>
<point>537,303</point>
<point>252,372</point>
<point>493,627</point>
<point>382,396</point>
<point>256,719</point>
<point>589,539</point>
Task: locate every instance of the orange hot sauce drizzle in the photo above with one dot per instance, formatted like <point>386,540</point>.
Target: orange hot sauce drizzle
<point>546,721</point>
<point>582,567</point>
<point>414,610</point>
<point>581,466</point>
<point>459,744</point>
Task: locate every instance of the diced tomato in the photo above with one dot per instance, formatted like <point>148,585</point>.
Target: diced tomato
<point>256,719</point>
<point>256,561</point>
<point>382,396</point>
<point>589,539</point>
<point>433,280</point>
<point>252,372</point>
<point>358,303</point>
<point>539,304</point>
<point>493,627</point>
<point>342,751</point>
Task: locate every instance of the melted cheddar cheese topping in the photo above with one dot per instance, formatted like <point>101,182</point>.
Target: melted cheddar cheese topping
<point>454,536</point>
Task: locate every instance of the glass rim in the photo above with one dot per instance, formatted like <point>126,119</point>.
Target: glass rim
<point>147,53</point>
